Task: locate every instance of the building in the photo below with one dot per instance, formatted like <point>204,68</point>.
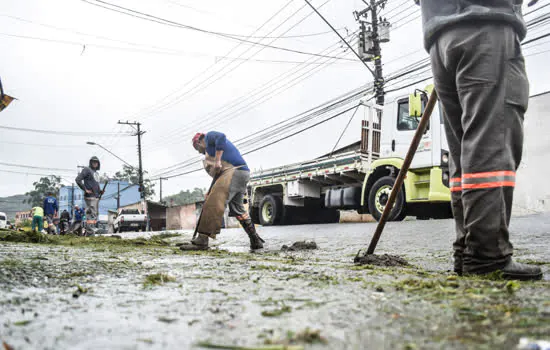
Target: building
<point>183,217</point>
<point>117,194</point>
<point>21,216</point>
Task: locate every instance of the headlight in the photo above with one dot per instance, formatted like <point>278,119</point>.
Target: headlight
<point>445,177</point>
<point>445,158</point>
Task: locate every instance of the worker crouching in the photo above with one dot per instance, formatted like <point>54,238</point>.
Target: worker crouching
<point>230,173</point>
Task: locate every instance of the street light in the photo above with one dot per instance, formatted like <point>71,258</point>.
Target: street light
<point>114,155</point>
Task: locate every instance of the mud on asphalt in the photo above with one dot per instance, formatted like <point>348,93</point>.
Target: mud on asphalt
<point>144,293</point>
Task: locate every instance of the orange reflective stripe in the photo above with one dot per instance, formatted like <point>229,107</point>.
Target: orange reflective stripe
<point>456,179</point>
<point>488,174</point>
<point>489,185</point>
<point>456,189</point>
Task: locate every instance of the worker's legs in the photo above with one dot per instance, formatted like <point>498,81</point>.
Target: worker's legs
<point>91,214</point>
<point>40,221</point>
<point>91,211</point>
<point>452,112</point>
<point>237,191</point>
<point>34,223</point>
<point>493,91</point>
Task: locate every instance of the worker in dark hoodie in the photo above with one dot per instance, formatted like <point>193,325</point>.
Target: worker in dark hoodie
<point>88,181</point>
<point>479,75</point>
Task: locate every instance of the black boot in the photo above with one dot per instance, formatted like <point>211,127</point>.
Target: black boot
<point>256,242</point>
<point>524,272</point>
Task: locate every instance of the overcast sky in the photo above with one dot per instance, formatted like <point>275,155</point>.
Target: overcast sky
<point>77,67</point>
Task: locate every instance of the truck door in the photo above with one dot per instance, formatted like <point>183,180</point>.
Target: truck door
<point>403,129</point>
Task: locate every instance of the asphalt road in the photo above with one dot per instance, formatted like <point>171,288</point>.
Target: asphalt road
<point>94,296</point>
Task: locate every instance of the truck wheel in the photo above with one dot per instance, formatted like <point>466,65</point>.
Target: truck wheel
<point>271,210</point>
<point>379,195</point>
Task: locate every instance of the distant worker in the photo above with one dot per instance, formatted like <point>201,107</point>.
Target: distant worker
<point>50,210</point>
<point>226,165</point>
<point>78,217</point>
<point>37,214</point>
<point>479,75</point>
<point>64,222</point>
<point>88,181</point>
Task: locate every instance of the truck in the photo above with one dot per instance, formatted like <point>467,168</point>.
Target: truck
<point>3,220</point>
<point>129,220</point>
<point>361,177</point>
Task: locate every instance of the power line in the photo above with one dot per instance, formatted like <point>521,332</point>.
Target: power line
<point>267,89</point>
<point>193,91</point>
<point>159,104</point>
<point>341,38</point>
<point>163,21</point>
<point>173,97</point>
<point>26,173</point>
<point>34,167</point>
<point>67,133</point>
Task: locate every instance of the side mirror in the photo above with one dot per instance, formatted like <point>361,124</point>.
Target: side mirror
<point>415,105</point>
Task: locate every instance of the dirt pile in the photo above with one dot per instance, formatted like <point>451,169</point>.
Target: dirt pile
<point>300,245</point>
<point>384,260</point>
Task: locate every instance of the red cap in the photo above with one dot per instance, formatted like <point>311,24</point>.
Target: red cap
<point>196,138</point>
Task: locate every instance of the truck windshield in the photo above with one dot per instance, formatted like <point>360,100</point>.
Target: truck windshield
<point>2,217</point>
<point>406,122</point>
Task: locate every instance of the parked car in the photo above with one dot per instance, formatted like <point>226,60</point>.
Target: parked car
<point>3,220</point>
<point>130,220</point>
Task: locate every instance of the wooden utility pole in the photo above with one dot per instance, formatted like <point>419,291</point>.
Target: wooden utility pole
<point>139,133</point>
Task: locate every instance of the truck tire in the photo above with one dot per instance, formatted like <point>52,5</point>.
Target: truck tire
<point>379,195</point>
<point>270,210</point>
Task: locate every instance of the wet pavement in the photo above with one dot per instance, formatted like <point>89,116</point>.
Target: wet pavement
<point>117,296</point>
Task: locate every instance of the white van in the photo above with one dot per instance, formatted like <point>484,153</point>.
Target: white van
<point>3,220</point>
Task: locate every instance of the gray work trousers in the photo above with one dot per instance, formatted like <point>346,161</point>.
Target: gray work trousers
<point>237,191</point>
<point>92,211</point>
<point>479,75</point>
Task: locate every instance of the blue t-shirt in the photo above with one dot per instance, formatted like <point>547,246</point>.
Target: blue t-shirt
<point>78,214</point>
<point>216,141</point>
<point>50,205</point>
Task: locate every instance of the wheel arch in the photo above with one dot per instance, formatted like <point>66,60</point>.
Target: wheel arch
<point>380,168</point>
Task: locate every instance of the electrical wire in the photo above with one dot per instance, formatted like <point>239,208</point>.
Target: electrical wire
<point>35,167</point>
<point>192,91</point>
<point>66,133</point>
<point>252,99</point>
<point>148,17</point>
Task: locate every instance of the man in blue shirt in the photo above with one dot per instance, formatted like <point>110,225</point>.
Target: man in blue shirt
<point>78,217</point>
<point>224,163</point>
<point>50,209</point>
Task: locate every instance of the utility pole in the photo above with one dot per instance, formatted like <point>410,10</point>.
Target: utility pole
<point>161,178</point>
<point>118,196</point>
<point>72,200</point>
<point>139,133</point>
<point>370,39</point>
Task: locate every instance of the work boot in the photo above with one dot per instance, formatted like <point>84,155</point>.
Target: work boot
<point>256,242</point>
<point>515,271</point>
<point>198,243</point>
<point>523,272</point>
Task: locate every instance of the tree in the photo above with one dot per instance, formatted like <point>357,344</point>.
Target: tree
<point>132,176</point>
<point>187,196</point>
<point>47,184</point>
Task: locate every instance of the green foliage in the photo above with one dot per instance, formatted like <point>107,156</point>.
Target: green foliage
<point>26,224</point>
<point>186,197</point>
<point>46,184</point>
<point>132,176</point>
